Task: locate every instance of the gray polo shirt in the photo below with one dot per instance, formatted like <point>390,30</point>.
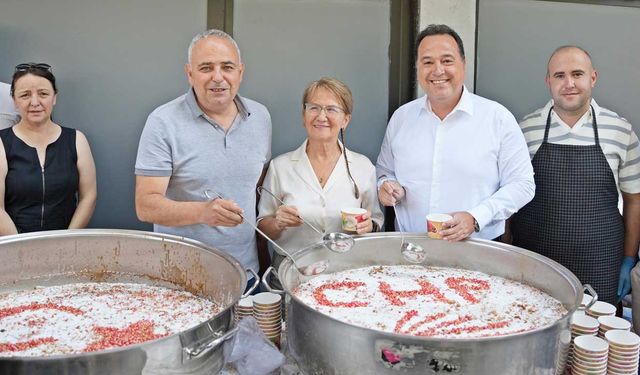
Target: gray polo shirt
<point>180,141</point>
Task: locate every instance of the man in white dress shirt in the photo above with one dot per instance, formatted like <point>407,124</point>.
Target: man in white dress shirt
<point>452,151</point>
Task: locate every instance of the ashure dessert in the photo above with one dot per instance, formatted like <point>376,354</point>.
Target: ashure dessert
<point>87,317</point>
<point>430,301</point>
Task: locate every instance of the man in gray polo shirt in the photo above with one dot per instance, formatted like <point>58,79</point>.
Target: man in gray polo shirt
<point>208,138</point>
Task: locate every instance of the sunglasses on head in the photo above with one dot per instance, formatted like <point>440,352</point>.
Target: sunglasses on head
<point>29,66</point>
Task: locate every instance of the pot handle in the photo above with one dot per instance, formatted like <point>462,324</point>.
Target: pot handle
<point>265,281</point>
<point>255,283</point>
<point>592,292</point>
<point>208,344</point>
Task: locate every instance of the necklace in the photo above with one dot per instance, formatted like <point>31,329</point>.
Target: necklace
<point>324,173</point>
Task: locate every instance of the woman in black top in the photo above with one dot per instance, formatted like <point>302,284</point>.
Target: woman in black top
<point>47,174</point>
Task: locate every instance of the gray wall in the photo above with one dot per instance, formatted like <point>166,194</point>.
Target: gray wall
<point>516,37</point>
<point>115,61</point>
<point>288,43</point>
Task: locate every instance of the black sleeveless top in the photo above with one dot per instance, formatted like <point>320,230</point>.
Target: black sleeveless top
<point>41,198</point>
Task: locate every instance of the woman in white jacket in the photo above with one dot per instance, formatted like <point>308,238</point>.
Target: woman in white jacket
<point>319,178</point>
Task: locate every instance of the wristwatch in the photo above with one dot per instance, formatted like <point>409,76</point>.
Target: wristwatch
<point>476,226</point>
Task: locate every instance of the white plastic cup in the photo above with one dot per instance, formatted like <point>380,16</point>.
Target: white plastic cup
<point>351,217</point>
<point>435,224</point>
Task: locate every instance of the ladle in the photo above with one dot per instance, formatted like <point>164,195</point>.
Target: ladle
<point>410,252</point>
<point>335,241</point>
<point>315,268</point>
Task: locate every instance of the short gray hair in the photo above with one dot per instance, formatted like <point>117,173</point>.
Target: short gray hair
<point>212,33</point>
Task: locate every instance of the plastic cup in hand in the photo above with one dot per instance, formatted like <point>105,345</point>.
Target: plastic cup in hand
<point>351,217</point>
<point>435,223</point>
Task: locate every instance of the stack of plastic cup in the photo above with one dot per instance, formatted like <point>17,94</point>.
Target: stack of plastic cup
<point>579,312</point>
<point>244,307</point>
<point>624,352</point>
<point>565,347</point>
<point>581,325</point>
<point>600,308</point>
<point>590,355</point>
<point>267,309</point>
<point>607,323</point>
<point>285,306</point>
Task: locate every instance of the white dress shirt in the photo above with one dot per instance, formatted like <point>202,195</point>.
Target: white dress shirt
<point>291,178</point>
<point>8,114</point>
<point>475,160</point>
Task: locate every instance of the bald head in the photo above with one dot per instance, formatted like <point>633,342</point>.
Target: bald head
<point>570,49</point>
<point>571,79</point>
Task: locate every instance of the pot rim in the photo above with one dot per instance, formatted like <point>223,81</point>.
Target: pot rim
<point>126,233</point>
<point>568,275</point>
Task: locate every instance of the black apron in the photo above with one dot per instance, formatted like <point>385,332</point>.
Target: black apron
<point>573,217</point>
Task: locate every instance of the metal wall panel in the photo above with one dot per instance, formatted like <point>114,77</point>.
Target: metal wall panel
<point>516,37</point>
<point>114,61</point>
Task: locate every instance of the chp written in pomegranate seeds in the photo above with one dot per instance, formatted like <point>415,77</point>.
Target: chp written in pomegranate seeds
<point>430,301</point>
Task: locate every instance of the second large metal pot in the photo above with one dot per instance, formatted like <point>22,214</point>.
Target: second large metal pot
<point>61,257</point>
<point>323,345</point>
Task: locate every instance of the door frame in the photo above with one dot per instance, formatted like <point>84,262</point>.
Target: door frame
<point>404,23</point>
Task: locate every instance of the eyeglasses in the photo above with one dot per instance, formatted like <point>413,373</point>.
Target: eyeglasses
<point>29,66</point>
<point>330,110</point>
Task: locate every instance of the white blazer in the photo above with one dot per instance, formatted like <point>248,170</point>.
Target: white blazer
<point>291,178</point>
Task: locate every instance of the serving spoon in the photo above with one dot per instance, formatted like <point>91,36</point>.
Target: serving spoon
<point>313,269</point>
<point>335,241</point>
<point>410,251</point>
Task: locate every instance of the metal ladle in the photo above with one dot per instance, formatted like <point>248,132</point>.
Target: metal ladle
<point>335,241</point>
<point>411,252</point>
<point>315,268</point>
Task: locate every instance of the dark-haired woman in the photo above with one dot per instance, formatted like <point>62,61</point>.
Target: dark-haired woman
<point>47,173</point>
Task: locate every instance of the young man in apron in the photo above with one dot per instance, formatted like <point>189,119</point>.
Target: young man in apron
<point>583,155</point>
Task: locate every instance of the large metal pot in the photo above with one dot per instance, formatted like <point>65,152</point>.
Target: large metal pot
<point>60,257</point>
<point>323,345</point>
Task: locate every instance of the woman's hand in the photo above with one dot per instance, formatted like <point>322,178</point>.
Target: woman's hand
<point>365,226</point>
<point>287,216</point>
